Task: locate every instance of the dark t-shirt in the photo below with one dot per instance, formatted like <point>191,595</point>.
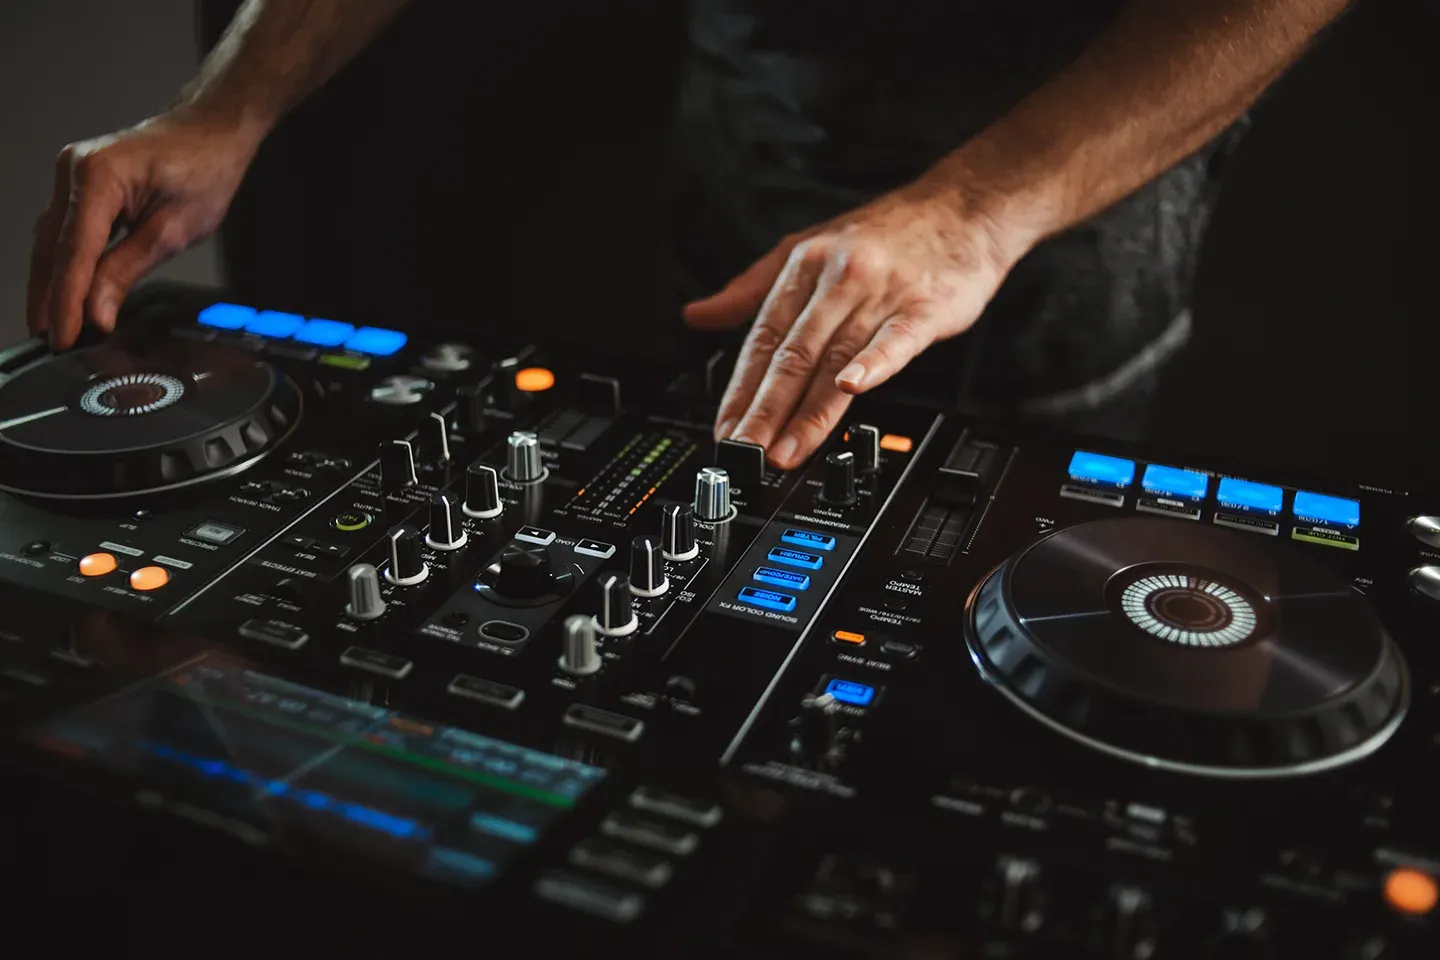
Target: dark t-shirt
<point>792,112</point>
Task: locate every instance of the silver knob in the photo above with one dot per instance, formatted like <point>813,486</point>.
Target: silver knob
<point>578,656</point>
<point>677,532</point>
<point>1425,581</point>
<point>362,587</point>
<point>523,460</point>
<point>617,606</point>
<point>712,494</point>
<point>1426,529</point>
<point>446,530</point>
<point>647,568</point>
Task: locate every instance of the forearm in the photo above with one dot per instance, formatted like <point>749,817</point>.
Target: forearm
<point>275,53</point>
<point>1162,81</point>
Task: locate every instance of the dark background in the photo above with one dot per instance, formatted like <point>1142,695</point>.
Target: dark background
<point>497,167</point>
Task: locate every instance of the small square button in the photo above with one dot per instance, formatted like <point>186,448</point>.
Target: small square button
<point>213,532</point>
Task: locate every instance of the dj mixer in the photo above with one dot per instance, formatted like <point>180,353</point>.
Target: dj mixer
<point>492,642</point>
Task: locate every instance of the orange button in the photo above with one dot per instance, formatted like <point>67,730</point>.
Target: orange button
<point>1411,891</point>
<point>896,443</point>
<point>97,564</point>
<point>149,578</point>
<point>845,636</point>
<point>534,379</point>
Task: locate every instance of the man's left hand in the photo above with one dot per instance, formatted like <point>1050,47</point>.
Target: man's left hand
<point>841,307</point>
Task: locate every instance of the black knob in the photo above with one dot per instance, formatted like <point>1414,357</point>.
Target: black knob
<point>446,530</point>
<point>1014,898</point>
<point>1128,928</point>
<point>647,568</point>
<point>482,492</point>
<point>470,403</point>
<point>838,485</point>
<point>616,616</point>
<point>397,466</point>
<point>526,571</point>
<point>677,532</point>
<point>504,390</point>
<point>407,564</point>
<point>437,444</point>
<point>1245,934</point>
<point>815,731</point>
<point>864,442</point>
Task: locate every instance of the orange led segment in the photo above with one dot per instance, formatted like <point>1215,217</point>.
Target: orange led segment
<point>1411,891</point>
<point>149,578</point>
<point>97,564</point>
<point>534,379</point>
<point>846,636</point>
<point>896,443</point>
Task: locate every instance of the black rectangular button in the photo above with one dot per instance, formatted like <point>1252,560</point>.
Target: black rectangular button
<point>486,691</point>
<point>701,813</point>
<point>592,896</point>
<point>617,725</point>
<point>596,548</point>
<point>330,549</point>
<point>667,837</point>
<point>296,541</point>
<point>535,535</point>
<point>277,633</point>
<point>623,863</point>
<point>373,661</point>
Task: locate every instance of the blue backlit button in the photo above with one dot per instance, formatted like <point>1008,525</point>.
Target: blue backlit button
<point>848,691</point>
<point>783,578</point>
<point>804,538</point>
<point>1089,467</point>
<point>795,558</point>
<point>1174,482</point>
<point>226,316</point>
<point>1247,495</point>
<point>376,341</point>
<point>271,323</point>
<point>324,333</point>
<point>1319,508</point>
<point>767,599</point>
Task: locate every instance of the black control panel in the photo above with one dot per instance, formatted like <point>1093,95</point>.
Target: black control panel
<point>488,636</point>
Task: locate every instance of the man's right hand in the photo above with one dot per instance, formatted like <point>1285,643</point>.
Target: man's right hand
<point>154,190</point>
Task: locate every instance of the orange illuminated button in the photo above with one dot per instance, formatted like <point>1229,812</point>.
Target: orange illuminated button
<point>149,578</point>
<point>896,443</point>
<point>1411,891</point>
<point>534,379</point>
<point>97,564</point>
<point>846,636</point>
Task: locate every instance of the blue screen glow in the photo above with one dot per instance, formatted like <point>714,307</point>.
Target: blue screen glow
<point>1326,509</point>
<point>848,691</point>
<point>1098,468</point>
<point>271,323</point>
<point>1251,496</point>
<point>324,333</point>
<point>226,316</point>
<point>376,341</point>
<point>1175,482</point>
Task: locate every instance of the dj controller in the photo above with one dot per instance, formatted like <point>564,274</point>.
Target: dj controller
<point>494,643</point>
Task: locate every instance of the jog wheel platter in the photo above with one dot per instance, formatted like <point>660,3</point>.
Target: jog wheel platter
<point>1189,648</point>
<point>108,421</point>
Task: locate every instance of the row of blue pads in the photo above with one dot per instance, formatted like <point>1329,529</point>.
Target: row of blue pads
<point>374,341</point>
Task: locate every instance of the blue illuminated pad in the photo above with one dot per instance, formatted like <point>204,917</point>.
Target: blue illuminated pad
<point>1175,482</point>
<point>768,599</point>
<point>1251,496</point>
<point>376,341</point>
<point>783,578</point>
<point>271,323</point>
<point>795,558</point>
<point>1098,468</point>
<point>1325,509</point>
<point>804,538</point>
<point>324,333</point>
<point>226,316</point>
<point>848,691</point>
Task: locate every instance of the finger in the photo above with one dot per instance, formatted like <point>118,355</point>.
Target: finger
<point>95,203</point>
<point>824,403</point>
<point>159,237</point>
<point>898,341</point>
<point>42,250</point>
<point>742,298</point>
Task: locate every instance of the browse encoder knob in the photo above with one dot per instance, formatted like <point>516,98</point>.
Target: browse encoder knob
<point>526,571</point>
<point>712,494</point>
<point>617,606</point>
<point>677,532</point>
<point>578,655</point>
<point>446,530</point>
<point>647,568</point>
<point>482,492</point>
<point>407,564</point>
<point>523,458</point>
<point>362,589</point>
<point>865,444</point>
<point>397,466</point>
<point>838,485</point>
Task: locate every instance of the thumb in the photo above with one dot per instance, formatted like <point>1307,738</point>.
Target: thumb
<point>740,299</point>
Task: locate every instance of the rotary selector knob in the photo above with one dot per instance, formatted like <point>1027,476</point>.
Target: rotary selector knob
<point>470,402</point>
<point>446,530</point>
<point>838,485</point>
<point>523,463</point>
<point>617,606</point>
<point>362,590</point>
<point>482,492</point>
<point>865,444</point>
<point>1425,581</point>
<point>400,390</point>
<point>712,495</point>
<point>578,654</point>
<point>647,568</point>
<point>1424,528</point>
<point>677,533</point>
<point>407,563</point>
<point>447,357</point>
<point>526,571</point>
<point>397,466</point>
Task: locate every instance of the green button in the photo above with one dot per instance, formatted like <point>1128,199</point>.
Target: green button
<point>345,361</point>
<point>351,522</point>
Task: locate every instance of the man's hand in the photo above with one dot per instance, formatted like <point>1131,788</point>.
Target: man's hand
<point>844,306</point>
<point>163,185</point>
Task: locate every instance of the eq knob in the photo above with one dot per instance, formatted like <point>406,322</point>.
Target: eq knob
<point>838,484</point>
<point>362,590</point>
<point>677,532</point>
<point>470,401</point>
<point>446,530</point>
<point>439,440</point>
<point>712,495</point>
<point>578,654</point>
<point>523,463</point>
<point>647,568</point>
<point>407,564</point>
<point>526,571</point>
<point>507,394</point>
<point>864,442</point>
<point>617,606</point>
<point>397,466</point>
<point>482,492</point>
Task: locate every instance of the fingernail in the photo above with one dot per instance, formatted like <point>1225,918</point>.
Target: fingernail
<point>853,375</point>
<point>783,450</point>
<point>722,432</point>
